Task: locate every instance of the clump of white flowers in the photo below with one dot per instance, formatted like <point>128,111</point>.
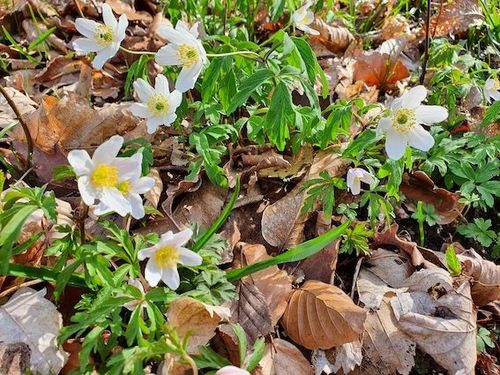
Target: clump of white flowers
<point>492,89</point>
<point>303,17</point>
<point>165,256</point>
<point>354,178</point>
<point>114,182</point>
<point>184,49</point>
<point>403,126</point>
<point>158,104</point>
<point>102,38</point>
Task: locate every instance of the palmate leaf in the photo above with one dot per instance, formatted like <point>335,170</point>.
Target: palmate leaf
<point>280,115</point>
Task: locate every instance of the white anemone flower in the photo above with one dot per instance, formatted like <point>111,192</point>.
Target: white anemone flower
<point>158,104</point>
<point>492,89</point>
<point>354,178</point>
<point>403,126</point>
<point>303,17</point>
<point>185,50</point>
<point>102,38</point>
<point>165,256</point>
<point>99,176</point>
<point>232,370</point>
<point>131,186</point>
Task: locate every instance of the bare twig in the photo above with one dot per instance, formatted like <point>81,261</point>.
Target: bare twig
<point>11,290</point>
<point>427,42</point>
<point>26,131</point>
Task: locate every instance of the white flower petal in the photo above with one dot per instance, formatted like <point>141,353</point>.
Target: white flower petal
<point>420,138</point>
<point>168,119</point>
<point>395,145</point>
<point>170,276</point>
<point>187,77</point>
<point>85,45</point>
<point>495,95</point>
<point>189,258</point>
<point>86,27</point>
<point>101,209</point>
<point>414,97</point>
<point>104,55</point>
<point>116,201</point>
<point>140,110</point>
<point>161,84</point>
<point>80,162</point>
<point>121,28</point>
<point>307,29</point>
<point>142,185</point>
<point>175,100</point>
<point>153,123</point>
<point>108,150</point>
<point>129,168</point>
<point>137,207</point>
<point>355,187</point>
<point>350,177</point>
<point>165,238</point>
<point>152,273</point>
<point>430,114</point>
<point>108,17</point>
<point>172,35</point>
<point>143,89</point>
<point>383,125</point>
<point>366,177</point>
<point>168,55</point>
<point>87,193</point>
<point>182,237</point>
<point>146,253</point>
<point>194,30</point>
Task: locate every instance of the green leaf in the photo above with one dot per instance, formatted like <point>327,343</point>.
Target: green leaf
<point>257,354</point>
<point>248,86</point>
<point>62,172</point>
<point>279,116</point>
<point>299,252</point>
<point>41,38</point>
<point>492,114</point>
<point>452,261</point>
<point>360,143</point>
<point>308,57</point>
<point>242,341</point>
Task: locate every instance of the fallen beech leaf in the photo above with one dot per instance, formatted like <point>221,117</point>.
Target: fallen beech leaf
<point>321,316</point>
<point>23,103</point>
<point>387,350</point>
<point>284,358</point>
<point>30,318</point>
<point>296,166</point>
<point>14,358</point>
<point>274,284</point>
<point>419,187</point>
<point>372,289</point>
<point>195,319</point>
<point>120,7</point>
<point>486,275</point>
<point>378,69</point>
<point>444,327</point>
<point>153,195</point>
<point>335,38</point>
<point>345,357</point>
<point>455,18</point>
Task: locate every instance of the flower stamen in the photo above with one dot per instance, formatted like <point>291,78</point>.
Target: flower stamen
<point>104,176</point>
<point>167,257</point>
<point>124,187</point>
<point>404,120</point>
<point>188,55</point>
<point>158,104</point>
<point>104,35</point>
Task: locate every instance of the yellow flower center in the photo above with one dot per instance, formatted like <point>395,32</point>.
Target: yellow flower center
<point>104,176</point>
<point>104,35</point>
<point>124,187</point>
<point>158,104</point>
<point>404,120</point>
<point>167,257</point>
<point>188,54</point>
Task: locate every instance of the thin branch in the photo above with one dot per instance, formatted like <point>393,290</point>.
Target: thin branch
<point>26,131</point>
<point>427,42</point>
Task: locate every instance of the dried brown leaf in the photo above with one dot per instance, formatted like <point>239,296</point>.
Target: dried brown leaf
<point>335,38</point>
<point>274,284</point>
<point>23,103</point>
<point>195,319</point>
<point>321,316</point>
<point>120,7</point>
<point>153,195</point>
<point>378,69</point>
<point>14,358</point>
<point>455,18</point>
<point>251,311</point>
<point>486,275</point>
<point>283,358</point>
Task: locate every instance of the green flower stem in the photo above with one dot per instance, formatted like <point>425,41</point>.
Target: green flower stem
<point>43,273</point>
<point>137,52</point>
<point>234,53</point>
<point>299,252</point>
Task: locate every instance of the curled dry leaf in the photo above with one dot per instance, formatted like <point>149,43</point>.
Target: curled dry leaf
<point>283,358</point>
<point>321,316</point>
<point>295,168</point>
<point>24,104</point>
<point>455,18</point>
<point>419,187</point>
<point>345,357</point>
<point>378,69</point>
<point>442,325</point>
<point>335,38</point>
<point>153,195</point>
<point>30,318</point>
<point>196,319</point>
<point>251,311</point>
<point>274,284</point>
